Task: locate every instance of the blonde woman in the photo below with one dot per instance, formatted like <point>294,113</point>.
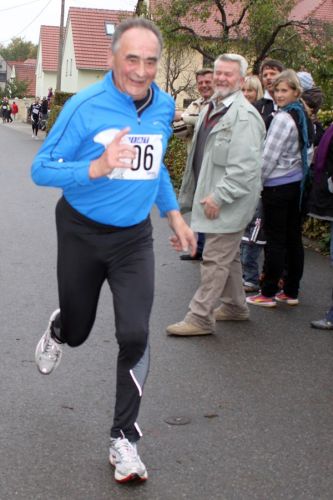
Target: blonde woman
<point>253,238</point>
<point>252,89</point>
<point>285,166</point>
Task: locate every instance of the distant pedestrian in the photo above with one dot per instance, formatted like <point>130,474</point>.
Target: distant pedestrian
<point>49,96</point>
<point>9,118</point>
<point>14,109</point>
<point>35,114</point>
<point>4,105</point>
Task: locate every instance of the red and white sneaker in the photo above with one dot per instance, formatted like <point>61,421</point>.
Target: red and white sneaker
<point>261,300</point>
<point>128,465</point>
<point>282,297</point>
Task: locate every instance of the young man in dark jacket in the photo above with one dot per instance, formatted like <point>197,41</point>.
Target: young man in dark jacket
<point>266,106</point>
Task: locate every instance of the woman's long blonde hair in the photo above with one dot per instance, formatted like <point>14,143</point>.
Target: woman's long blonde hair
<point>253,83</point>
<point>290,77</point>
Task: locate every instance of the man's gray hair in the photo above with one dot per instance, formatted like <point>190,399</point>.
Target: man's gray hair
<point>135,22</point>
<point>243,64</point>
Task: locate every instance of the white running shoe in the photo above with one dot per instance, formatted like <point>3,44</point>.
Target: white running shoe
<point>128,465</point>
<point>48,351</point>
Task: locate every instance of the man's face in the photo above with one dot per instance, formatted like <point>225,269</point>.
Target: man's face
<point>205,85</point>
<point>268,76</point>
<point>134,63</point>
<point>227,78</point>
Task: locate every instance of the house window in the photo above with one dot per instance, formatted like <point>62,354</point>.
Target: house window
<point>109,29</point>
<point>186,103</point>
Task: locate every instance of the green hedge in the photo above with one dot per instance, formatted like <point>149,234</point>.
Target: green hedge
<point>59,100</point>
<point>175,160</point>
<point>61,97</point>
<point>319,234</point>
<point>326,117</point>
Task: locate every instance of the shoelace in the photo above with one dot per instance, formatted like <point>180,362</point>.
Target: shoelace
<point>50,349</point>
<point>126,451</point>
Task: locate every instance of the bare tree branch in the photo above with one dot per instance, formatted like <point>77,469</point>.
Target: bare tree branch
<point>270,42</point>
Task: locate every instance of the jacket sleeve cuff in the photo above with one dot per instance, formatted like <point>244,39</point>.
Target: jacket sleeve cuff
<point>81,174</point>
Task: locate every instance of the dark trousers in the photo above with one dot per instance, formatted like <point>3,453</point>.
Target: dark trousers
<point>88,254</point>
<point>34,124</point>
<point>284,248</point>
<point>200,242</point>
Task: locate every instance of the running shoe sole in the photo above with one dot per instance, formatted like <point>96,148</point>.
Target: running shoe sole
<point>289,301</point>
<point>133,476</point>
<point>261,303</point>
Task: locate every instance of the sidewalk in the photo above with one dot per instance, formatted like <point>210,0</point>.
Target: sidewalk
<point>23,127</point>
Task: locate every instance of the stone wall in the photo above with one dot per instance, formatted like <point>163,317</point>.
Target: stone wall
<point>23,106</point>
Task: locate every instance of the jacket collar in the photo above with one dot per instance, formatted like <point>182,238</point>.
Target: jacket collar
<point>238,99</point>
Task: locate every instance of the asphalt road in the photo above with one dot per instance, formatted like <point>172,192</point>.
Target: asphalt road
<point>256,396</point>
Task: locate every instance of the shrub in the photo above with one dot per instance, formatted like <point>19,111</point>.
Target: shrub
<point>175,160</point>
<point>318,231</point>
<point>61,97</point>
<point>53,115</point>
<point>325,117</point>
<point>56,106</point>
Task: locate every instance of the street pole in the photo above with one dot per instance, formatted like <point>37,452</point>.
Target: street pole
<point>60,47</point>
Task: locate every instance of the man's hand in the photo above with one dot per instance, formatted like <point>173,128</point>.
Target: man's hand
<point>211,209</point>
<point>178,115</point>
<point>183,240</point>
<point>118,154</point>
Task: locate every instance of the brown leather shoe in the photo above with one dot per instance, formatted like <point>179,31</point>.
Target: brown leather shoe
<point>185,329</point>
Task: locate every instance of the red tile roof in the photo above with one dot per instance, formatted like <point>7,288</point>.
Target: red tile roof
<point>90,40</point>
<point>31,61</point>
<point>321,10</point>
<point>26,71</point>
<point>210,26</point>
<point>49,40</point>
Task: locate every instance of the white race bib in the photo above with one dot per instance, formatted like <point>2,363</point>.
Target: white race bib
<point>147,163</point>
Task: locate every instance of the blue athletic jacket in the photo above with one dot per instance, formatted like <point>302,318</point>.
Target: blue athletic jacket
<point>63,160</point>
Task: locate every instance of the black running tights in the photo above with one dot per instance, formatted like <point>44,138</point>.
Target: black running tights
<point>88,254</point>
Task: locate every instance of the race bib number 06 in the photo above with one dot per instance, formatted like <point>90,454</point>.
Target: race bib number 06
<point>147,163</point>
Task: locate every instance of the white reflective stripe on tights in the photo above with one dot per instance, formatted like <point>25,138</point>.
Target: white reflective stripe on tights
<point>136,383</point>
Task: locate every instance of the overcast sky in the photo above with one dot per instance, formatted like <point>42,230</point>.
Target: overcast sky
<point>24,17</point>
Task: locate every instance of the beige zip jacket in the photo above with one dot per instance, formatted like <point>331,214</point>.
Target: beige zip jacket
<point>230,171</point>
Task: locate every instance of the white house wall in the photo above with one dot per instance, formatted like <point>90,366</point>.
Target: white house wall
<point>49,80</point>
<point>44,79</point>
<point>39,72</point>
<point>88,77</point>
<point>69,72</point>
